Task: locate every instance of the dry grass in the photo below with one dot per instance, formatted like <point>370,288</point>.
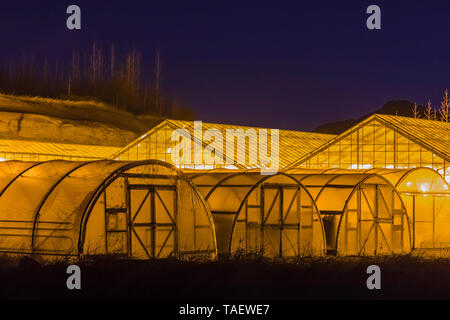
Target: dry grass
<point>235,278</point>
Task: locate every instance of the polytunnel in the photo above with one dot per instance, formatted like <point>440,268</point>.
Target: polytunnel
<point>143,209</point>
<point>426,196</point>
<point>269,214</point>
<point>362,213</point>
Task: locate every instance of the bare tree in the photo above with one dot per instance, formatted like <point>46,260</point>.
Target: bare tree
<point>96,64</point>
<point>428,111</point>
<point>415,111</point>
<point>444,110</point>
<point>112,60</point>
<point>110,77</point>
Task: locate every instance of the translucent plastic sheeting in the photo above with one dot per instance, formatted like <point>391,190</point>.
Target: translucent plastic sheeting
<point>427,199</point>
<point>362,213</point>
<point>426,196</point>
<point>20,202</point>
<point>9,170</point>
<point>273,215</point>
<point>142,210</point>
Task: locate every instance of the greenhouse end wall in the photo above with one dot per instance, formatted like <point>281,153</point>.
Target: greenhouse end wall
<point>141,210</point>
<point>273,216</point>
<point>362,214</point>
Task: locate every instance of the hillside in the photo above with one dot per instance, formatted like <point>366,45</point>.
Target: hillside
<point>64,121</point>
<point>393,107</point>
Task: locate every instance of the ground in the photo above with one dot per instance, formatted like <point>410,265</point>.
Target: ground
<point>68,121</point>
<point>402,277</point>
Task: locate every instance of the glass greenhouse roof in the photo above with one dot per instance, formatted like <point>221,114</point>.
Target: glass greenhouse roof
<point>292,144</point>
<point>55,149</point>
<point>431,135</point>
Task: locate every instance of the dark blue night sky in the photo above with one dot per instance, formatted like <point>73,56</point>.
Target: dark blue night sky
<point>291,65</point>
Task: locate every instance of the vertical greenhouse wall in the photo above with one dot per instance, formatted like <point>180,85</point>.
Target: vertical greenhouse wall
<point>165,214</point>
<point>270,215</point>
<point>362,213</point>
<point>135,209</point>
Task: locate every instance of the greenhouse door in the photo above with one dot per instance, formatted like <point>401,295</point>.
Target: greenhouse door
<point>379,227</point>
<point>280,220</point>
<point>152,216</point>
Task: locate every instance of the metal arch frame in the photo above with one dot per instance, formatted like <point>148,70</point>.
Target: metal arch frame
<point>327,184</point>
<point>257,184</point>
<point>45,197</point>
<point>20,174</point>
<point>409,171</point>
<point>231,174</point>
<point>315,206</point>
<point>215,185</point>
<point>355,187</point>
<point>113,176</point>
<point>199,197</point>
<point>351,195</point>
<point>305,176</point>
<point>402,178</point>
<point>404,172</point>
<point>377,171</point>
<point>17,177</point>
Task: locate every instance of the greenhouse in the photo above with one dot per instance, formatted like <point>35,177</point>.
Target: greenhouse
<point>426,196</point>
<point>25,150</point>
<point>208,145</point>
<point>362,213</point>
<point>145,209</point>
<point>273,215</point>
<point>385,141</point>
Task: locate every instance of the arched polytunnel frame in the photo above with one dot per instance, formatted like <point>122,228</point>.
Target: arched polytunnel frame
<point>426,196</point>
<point>144,209</point>
<point>363,225</point>
<point>273,215</point>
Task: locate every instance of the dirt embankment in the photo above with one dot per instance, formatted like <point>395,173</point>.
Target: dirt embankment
<point>64,121</point>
